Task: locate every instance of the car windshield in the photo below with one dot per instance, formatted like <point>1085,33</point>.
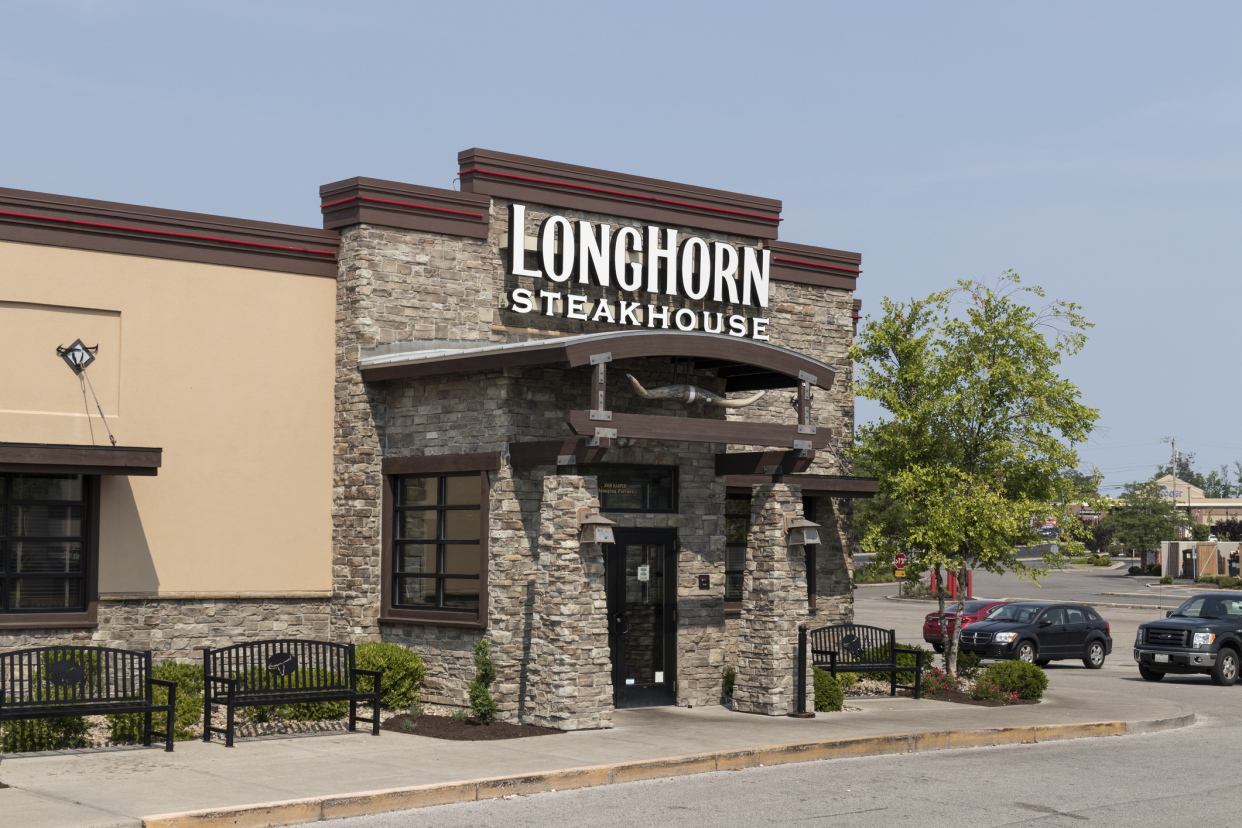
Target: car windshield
<point>1021,613</point>
<point>1211,606</point>
<point>974,606</point>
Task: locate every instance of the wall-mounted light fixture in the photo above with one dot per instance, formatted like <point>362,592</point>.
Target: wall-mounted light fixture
<point>595,528</point>
<point>800,530</point>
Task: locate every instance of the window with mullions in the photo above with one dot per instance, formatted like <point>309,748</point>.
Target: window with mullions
<point>436,548</point>
<point>737,531</point>
<point>42,543</point>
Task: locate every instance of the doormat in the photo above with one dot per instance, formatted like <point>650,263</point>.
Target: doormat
<point>462,730</point>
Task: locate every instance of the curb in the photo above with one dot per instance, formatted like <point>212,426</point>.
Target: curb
<point>316,809</point>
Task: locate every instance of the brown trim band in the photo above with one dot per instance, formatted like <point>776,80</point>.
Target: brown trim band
<point>755,462</point>
<point>825,485</point>
<point>404,206</point>
<point>64,459</point>
<point>107,227</point>
<point>817,266</point>
<point>442,463</point>
<point>538,181</point>
<point>549,452</point>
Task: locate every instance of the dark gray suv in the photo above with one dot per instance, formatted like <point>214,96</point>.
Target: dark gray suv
<point>1203,635</point>
<point>1041,632</point>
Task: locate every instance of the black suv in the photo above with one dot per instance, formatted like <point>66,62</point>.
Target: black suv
<point>1200,636</point>
<point>1041,632</point>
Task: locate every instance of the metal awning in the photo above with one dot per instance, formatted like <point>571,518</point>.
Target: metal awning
<point>49,458</point>
<point>745,364</point>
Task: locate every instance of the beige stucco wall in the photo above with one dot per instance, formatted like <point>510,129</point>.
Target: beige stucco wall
<point>229,370</point>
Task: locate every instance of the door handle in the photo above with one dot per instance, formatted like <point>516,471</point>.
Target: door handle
<point>623,619</point>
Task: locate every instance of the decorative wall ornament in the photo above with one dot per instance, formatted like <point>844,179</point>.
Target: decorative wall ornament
<point>77,356</point>
<point>689,394</point>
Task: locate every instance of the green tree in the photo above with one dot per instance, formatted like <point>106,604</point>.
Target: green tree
<point>1144,518</point>
<point>979,449</point>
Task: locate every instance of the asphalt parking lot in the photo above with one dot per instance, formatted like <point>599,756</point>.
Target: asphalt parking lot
<point>1153,779</point>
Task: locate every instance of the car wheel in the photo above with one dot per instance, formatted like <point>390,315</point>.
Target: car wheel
<point>1150,675</point>
<point>1026,652</point>
<point>1094,659</point>
<point>1225,673</point>
<point>938,648</point>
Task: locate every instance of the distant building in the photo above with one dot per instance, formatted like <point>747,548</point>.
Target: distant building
<point>1202,509</point>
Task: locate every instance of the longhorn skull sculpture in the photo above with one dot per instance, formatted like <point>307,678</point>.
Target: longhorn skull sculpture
<point>689,394</point>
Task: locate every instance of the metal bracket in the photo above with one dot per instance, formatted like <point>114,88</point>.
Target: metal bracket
<point>602,415</point>
<point>805,377</point>
<point>803,444</point>
<point>806,429</point>
<point>566,460</point>
<point>600,359</point>
<point>610,433</point>
<point>598,442</point>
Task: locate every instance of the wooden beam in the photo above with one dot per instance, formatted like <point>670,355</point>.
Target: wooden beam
<point>67,459</point>
<point>820,484</point>
<point>549,452</point>
<point>754,462</point>
<point>697,430</point>
<point>442,463</point>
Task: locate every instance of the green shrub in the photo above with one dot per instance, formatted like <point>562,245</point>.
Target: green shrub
<point>847,679</point>
<point>45,734</point>
<point>482,705</point>
<point>404,673</point>
<point>1135,570</point>
<point>936,681</point>
<point>127,728</point>
<point>1101,560</point>
<point>828,695</point>
<point>874,573</point>
<point>1021,677</point>
<point>986,690</point>
<point>1153,569</point>
<point>1167,579</point>
<point>882,654</point>
<point>730,680</point>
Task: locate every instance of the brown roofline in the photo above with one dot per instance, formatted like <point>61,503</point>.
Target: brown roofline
<point>128,229</point>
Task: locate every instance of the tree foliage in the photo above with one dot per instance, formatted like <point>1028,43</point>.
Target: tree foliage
<point>1144,518</point>
<point>979,450</point>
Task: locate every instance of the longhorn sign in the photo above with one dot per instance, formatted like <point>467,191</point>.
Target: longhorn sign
<point>689,394</point>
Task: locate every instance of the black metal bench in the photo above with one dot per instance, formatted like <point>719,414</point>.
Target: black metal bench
<point>57,682</point>
<point>854,648</point>
<point>284,671</point>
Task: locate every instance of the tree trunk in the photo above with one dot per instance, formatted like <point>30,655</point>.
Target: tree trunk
<point>950,651</point>
<point>938,580</point>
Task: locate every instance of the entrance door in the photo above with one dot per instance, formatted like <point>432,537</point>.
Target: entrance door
<point>641,572</point>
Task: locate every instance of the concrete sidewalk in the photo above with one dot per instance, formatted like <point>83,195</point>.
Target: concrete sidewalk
<point>286,780</point>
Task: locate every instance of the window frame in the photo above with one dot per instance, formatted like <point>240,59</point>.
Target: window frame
<point>449,465</point>
<point>88,616</point>
<point>734,607</point>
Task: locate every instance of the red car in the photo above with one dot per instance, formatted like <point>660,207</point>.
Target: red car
<point>975,611</point>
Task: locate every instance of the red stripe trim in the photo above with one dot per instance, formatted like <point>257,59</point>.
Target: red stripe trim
<point>166,233</point>
<point>812,264</point>
<point>627,195</point>
<point>402,204</point>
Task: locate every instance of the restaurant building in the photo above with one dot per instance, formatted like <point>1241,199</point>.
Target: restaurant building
<point>585,415</point>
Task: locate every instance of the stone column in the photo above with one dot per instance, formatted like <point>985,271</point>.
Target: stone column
<point>571,666</point>
<point>774,604</point>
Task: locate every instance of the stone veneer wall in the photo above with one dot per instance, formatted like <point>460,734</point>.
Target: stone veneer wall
<point>774,605</point>
<point>570,672</point>
<point>399,287</point>
<point>174,629</point>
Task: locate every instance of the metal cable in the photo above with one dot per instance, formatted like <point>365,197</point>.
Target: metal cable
<point>101,414</point>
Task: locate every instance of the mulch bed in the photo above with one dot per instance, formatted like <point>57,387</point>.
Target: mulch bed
<point>958,697</point>
<point>462,730</point>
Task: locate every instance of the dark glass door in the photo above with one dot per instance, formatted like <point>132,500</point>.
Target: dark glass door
<point>641,571</point>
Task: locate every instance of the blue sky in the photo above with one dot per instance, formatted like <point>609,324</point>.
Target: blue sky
<point>1094,148</point>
